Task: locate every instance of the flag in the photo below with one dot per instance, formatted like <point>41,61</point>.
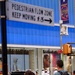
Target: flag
<point>64,11</point>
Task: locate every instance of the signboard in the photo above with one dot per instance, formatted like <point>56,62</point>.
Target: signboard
<point>63,30</point>
<point>22,12</point>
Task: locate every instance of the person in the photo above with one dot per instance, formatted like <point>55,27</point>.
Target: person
<point>28,72</point>
<point>55,70</point>
<point>36,73</point>
<point>46,64</point>
<point>69,65</point>
<point>60,70</point>
<point>73,72</point>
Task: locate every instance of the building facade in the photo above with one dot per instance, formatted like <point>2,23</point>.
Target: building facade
<point>36,35</point>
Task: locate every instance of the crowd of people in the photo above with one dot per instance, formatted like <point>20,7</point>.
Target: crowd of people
<point>58,72</point>
<point>59,67</point>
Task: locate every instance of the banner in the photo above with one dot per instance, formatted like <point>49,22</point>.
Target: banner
<point>64,11</point>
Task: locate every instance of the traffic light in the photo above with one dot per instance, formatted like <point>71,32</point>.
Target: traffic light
<point>67,49</point>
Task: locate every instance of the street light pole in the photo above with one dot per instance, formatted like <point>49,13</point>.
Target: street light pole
<point>61,22</point>
<point>3,37</point>
<point>60,38</point>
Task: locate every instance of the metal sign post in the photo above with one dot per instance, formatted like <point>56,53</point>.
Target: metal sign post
<point>61,36</point>
<point>63,31</point>
<point>3,36</point>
